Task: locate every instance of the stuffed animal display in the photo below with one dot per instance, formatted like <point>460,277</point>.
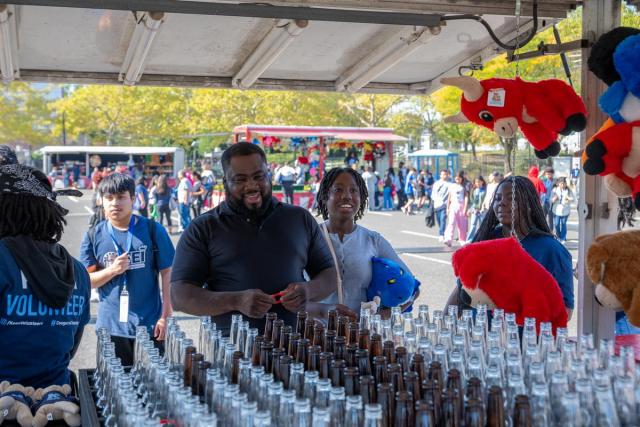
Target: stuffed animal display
<point>612,264</point>
<point>15,403</point>
<point>391,283</point>
<point>614,151</point>
<point>541,110</point>
<point>55,403</point>
<point>501,274</point>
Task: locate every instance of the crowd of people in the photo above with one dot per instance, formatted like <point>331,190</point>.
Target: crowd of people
<point>251,254</point>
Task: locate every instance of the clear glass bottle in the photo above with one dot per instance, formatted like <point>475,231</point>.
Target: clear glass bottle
<point>396,316</point>
<point>606,412</point>
<point>302,413</point>
<point>535,374</point>
<point>247,414</point>
<point>251,339</point>
<point>626,401</point>
<point>540,405</point>
<point>273,397</point>
<point>236,408</point>
<point>296,381</point>
<point>423,313</point>
<point>263,391</point>
<point>262,419</point>
<point>321,417</point>
<point>231,391</point>
<point>323,390</point>
<point>373,413</point>
<point>587,403</point>
<point>353,415</point>
<point>256,372</point>
<point>337,405</point>
<point>287,404</point>
<point>605,351</point>
<point>440,355</point>
<point>558,388</point>
<point>236,319</point>
<point>309,389</point>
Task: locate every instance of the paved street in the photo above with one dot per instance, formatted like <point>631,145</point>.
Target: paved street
<point>418,246</point>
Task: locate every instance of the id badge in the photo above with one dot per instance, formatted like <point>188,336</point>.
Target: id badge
<point>124,305</point>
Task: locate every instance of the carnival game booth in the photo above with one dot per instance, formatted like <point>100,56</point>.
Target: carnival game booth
<point>435,160</point>
<point>154,160</point>
<point>367,146</point>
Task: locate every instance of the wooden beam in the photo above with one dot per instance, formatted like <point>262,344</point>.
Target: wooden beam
<point>598,17</point>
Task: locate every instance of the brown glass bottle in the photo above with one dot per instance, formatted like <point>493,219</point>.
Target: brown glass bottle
<point>402,358</point>
<point>412,384</point>
<point>277,332</point>
<point>343,321</point>
<point>474,389</point>
<point>431,392</point>
<point>375,348</point>
<point>351,357</point>
<point>495,407</point>
<point>293,344</point>
<point>268,325</point>
<point>265,356</point>
<point>436,374</point>
<point>195,371</point>
<point>474,413</point>
<point>386,399</point>
<point>380,372</point>
<point>388,351</point>
<point>451,416</point>
<point>454,382</point>
<point>285,364</point>
<point>309,326</point>
<point>418,366</point>
<point>522,412</point>
<point>404,410</point>
<point>336,372</point>
<point>285,335</point>
<point>188,367</point>
<point>362,357</point>
<point>325,364</point>
<point>351,381</point>
<point>202,378</point>
<point>364,341</point>
<point>257,346</point>
<point>235,366</point>
<point>332,320</point>
<point>424,414</point>
<point>318,334</point>
<point>301,318</point>
<point>367,389</point>
<point>313,358</point>
<point>395,377</point>
<point>302,352</point>
<point>352,333</point>
<point>339,348</point>
<point>276,353</point>
<point>329,341</point>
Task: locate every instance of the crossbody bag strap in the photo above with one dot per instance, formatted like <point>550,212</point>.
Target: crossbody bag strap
<point>327,238</point>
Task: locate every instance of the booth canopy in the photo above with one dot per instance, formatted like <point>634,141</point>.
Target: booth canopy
<point>135,151</point>
<point>337,133</point>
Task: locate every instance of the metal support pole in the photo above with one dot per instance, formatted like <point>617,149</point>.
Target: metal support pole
<point>598,17</point>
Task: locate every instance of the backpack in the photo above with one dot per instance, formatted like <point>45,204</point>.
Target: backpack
<point>151,223</point>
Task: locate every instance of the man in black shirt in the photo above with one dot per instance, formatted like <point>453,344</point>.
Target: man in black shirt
<point>236,256</point>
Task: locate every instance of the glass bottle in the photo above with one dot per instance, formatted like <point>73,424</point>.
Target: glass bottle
<point>367,389</point>
<point>474,415</point>
<point>309,388</point>
<point>337,372</point>
<point>323,390</point>
<point>250,344</point>
<point>402,358</point>
<point>255,351</point>
<point>372,415</point>
<point>386,400</point>
<point>236,408</point>
<point>287,404</point>
<point>266,352</point>
<point>294,337</point>
<point>522,412</point>
<point>302,413</point>
<point>606,413</point>
<point>403,416</point>
<point>276,333</point>
<point>431,392</point>
<point>343,321</point>
<point>321,417</point>
<point>285,335</point>
<point>275,362</point>
<point>515,387</point>
<point>380,369</point>
<point>559,386</point>
<point>412,384</point>
<point>587,403</point>
<point>339,347</point>
<point>325,364</point>
<point>243,333</point>
<point>353,415</point>
<point>495,408</point>
<point>363,362</point>
<point>388,351</point>
<point>351,383</point>
<point>309,328</point>
<point>296,381</point>
<point>332,321</point>
<point>351,357</point>
<point>329,341</point>
<point>395,377</point>
<point>626,401</point>
<point>301,318</point>
<point>313,358</point>
<point>262,419</point>
<point>187,354</point>
<point>254,386</point>
<point>318,335</point>
<point>364,339</point>
<point>418,366</point>
<point>247,413</point>
<point>231,392</point>
<point>302,352</point>
<point>337,406</point>
<point>285,370</point>
<point>263,391</point>
<point>235,325</point>
<point>540,405</point>
<point>273,398</point>
<point>352,333</point>
<point>425,414</point>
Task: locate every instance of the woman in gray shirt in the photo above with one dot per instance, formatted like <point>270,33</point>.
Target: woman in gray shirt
<point>342,201</point>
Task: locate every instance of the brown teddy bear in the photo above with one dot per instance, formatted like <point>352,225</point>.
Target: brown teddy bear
<point>613,264</point>
<point>54,403</point>
<point>15,403</point>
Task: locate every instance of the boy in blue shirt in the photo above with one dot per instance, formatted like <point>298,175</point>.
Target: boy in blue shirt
<point>44,292</point>
<point>124,254</point>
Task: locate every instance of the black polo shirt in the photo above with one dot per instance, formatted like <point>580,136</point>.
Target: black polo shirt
<point>226,252</point>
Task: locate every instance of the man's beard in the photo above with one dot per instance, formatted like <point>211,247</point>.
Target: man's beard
<point>255,213</point>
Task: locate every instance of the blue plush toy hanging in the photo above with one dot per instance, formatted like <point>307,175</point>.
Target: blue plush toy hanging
<point>391,283</point>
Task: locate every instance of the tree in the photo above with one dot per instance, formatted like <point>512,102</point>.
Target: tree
<point>27,118</point>
<point>369,110</point>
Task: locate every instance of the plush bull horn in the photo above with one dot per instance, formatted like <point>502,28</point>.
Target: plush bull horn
<point>471,87</point>
<point>457,118</point>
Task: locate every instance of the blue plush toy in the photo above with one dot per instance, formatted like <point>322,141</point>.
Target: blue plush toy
<point>391,283</point>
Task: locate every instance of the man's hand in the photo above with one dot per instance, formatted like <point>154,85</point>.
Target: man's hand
<point>319,310</point>
<point>160,330</point>
<point>295,297</point>
<point>120,264</point>
<point>254,303</point>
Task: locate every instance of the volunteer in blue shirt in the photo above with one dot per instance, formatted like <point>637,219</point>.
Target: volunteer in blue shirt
<point>124,256</point>
<point>531,229</point>
<point>44,292</point>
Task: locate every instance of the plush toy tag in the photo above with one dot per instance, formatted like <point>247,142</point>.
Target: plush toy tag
<point>124,306</point>
<point>5,412</point>
<point>496,97</point>
<point>50,416</point>
<point>18,396</point>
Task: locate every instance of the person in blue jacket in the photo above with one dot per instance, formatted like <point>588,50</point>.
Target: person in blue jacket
<point>44,291</point>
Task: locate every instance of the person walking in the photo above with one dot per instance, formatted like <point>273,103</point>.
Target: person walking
<point>125,255</point>
<point>162,196</point>
<point>141,203</point>
<point>561,200</point>
<point>184,200</point>
<point>548,182</point>
<point>370,181</point>
<point>197,195</point>
<point>478,194</point>
<point>410,191</point>
<point>286,176</point>
<point>457,211</point>
<point>441,201</point>
<point>387,192</point>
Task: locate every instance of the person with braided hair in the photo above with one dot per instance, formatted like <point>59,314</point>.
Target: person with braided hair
<point>342,202</point>
<point>526,221</point>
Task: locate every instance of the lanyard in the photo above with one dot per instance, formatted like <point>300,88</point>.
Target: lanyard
<point>127,247</point>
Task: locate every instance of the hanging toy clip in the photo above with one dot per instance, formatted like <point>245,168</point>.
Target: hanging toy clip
<point>278,296</point>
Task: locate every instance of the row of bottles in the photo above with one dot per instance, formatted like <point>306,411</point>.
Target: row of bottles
<point>428,370</point>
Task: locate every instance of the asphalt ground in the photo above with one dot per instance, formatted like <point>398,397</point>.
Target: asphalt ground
<point>418,246</point>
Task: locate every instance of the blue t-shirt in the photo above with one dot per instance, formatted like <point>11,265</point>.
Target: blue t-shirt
<point>141,189</point>
<point>37,340</point>
<point>554,257</point>
<point>145,305</point>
